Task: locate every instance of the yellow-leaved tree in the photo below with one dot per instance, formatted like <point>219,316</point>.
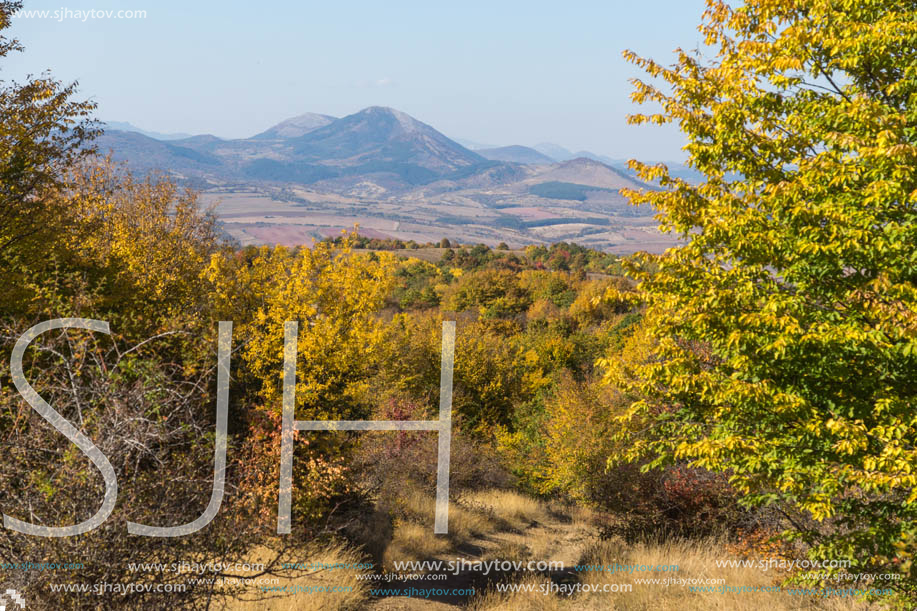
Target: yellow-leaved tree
<point>335,295</point>
<point>785,327</point>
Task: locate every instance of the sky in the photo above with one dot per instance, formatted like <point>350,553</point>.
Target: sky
<point>495,72</point>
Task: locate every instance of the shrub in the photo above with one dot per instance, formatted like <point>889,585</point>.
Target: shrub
<point>679,501</point>
<point>388,461</point>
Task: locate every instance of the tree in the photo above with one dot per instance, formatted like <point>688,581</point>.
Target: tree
<point>785,326</point>
<point>43,132</point>
<point>335,295</point>
<point>495,293</point>
<point>155,424</point>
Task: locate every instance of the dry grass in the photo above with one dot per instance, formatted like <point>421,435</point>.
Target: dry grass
<point>418,505</point>
<point>478,515</point>
<point>509,550</point>
<point>520,601</point>
<point>581,516</point>
<point>253,599</point>
<point>695,560</point>
<point>510,507</point>
<point>414,542</point>
<point>464,523</point>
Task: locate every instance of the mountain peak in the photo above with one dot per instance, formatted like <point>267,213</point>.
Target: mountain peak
<point>383,139</point>
<point>582,161</point>
<point>587,171</point>
<point>295,126</point>
<point>406,121</point>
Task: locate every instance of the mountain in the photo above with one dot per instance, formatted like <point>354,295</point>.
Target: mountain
<point>128,127</point>
<point>295,127</point>
<point>616,163</point>
<point>383,136</point>
<point>145,154</point>
<point>314,147</point>
<point>312,176</point>
<point>398,150</point>
<point>554,151</point>
<point>374,141</point>
<point>379,151</point>
<point>471,145</point>
<point>589,172</point>
<point>559,153</point>
<point>515,154</point>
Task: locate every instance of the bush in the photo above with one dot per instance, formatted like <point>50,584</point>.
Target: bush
<point>391,461</point>
<point>677,501</point>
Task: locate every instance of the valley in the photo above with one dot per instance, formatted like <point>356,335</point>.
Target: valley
<point>313,176</point>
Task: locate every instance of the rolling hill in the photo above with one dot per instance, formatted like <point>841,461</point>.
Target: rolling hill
<point>390,144</point>
<point>314,175</point>
<point>515,154</point>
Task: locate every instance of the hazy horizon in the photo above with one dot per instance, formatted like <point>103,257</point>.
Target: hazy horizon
<point>518,73</point>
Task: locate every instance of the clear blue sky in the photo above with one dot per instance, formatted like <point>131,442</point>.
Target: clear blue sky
<point>497,72</point>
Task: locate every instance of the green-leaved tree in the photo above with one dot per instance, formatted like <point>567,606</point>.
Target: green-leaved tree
<point>784,329</point>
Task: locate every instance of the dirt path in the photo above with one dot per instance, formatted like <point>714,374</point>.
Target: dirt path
<point>557,539</point>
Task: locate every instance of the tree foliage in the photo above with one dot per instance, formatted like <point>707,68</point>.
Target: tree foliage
<point>785,328</point>
<point>43,133</point>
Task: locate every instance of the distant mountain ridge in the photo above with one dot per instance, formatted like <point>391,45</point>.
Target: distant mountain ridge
<point>516,154</point>
<point>275,167</point>
<point>295,127</point>
<point>559,153</point>
<point>589,172</point>
<point>314,175</point>
<point>376,150</point>
<point>129,127</point>
<point>307,149</point>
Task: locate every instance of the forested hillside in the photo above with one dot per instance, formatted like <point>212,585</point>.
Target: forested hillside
<point>747,396</point>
